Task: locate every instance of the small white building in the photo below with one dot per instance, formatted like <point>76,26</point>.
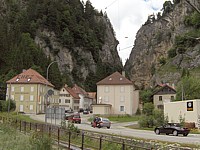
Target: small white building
<point>188,109</point>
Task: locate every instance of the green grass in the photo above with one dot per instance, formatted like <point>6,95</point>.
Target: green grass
<point>125,118</point>
<point>14,115</point>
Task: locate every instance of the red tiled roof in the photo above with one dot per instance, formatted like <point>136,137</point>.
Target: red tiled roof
<point>73,94</point>
<point>79,90</point>
<point>115,79</point>
<point>92,94</point>
<point>29,76</point>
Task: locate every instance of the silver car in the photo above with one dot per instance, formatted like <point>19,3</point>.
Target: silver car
<point>104,122</point>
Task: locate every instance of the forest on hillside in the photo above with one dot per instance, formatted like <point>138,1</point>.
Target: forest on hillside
<point>74,24</point>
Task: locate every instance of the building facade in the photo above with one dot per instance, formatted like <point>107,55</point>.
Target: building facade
<point>85,99</point>
<point>164,93</point>
<point>31,92</point>
<point>189,110</point>
<point>69,99</point>
<point>116,95</point>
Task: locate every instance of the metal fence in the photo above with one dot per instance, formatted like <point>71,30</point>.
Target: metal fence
<point>83,140</point>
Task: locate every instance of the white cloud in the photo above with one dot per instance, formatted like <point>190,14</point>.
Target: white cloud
<point>127,16</point>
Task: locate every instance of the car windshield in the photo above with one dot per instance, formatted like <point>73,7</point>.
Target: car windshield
<point>76,116</point>
<point>106,120</point>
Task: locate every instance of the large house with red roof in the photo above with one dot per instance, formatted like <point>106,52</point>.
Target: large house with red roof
<point>116,95</point>
<point>31,92</point>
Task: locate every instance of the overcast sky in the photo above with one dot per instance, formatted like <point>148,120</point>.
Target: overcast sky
<point>127,16</point>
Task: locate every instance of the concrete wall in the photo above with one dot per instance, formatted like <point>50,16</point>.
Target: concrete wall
<point>176,109</point>
<point>101,109</point>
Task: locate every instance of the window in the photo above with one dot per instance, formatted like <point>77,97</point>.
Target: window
<point>31,107</point>
<point>76,101</point>
<point>12,97</point>
<point>106,89</point>
<point>160,98</point>
<point>22,89</point>
<point>32,89</point>
<point>67,101</point>
<point>21,97</point>
<point>122,98</point>
<point>12,89</point>
<point>106,99</point>
<point>121,108</point>
<point>122,89</point>
<point>59,100</point>
<point>31,97</point>
<point>67,95</point>
<point>76,107</point>
<point>172,98</point>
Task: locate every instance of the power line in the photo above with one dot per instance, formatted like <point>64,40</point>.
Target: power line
<point>125,48</point>
<point>111,4</point>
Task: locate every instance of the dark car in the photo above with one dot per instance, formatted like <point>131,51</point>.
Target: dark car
<point>172,128</point>
<point>75,118</point>
<point>85,112</point>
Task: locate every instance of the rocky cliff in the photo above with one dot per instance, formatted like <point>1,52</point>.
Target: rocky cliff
<point>151,61</point>
<point>81,39</point>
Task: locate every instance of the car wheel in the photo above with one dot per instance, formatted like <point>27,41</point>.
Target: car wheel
<point>108,127</point>
<point>157,131</point>
<point>175,132</point>
<point>185,134</point>
<point>167,133</point>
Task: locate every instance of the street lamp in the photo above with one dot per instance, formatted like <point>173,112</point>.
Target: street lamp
<point>47,77</point>
<point>49,67</point>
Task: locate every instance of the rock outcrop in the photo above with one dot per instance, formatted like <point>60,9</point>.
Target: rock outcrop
<point>154,39</point>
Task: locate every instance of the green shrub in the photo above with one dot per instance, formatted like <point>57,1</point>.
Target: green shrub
<point>162,61</point>
<point>172,53</point>
<point>41,141</point>
<point>4,105</point>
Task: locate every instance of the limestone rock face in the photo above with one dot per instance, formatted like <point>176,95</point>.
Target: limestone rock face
<point>68,60</point>
<point>154,40</point>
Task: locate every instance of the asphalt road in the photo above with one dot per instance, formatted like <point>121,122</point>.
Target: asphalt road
<point>119,129</point>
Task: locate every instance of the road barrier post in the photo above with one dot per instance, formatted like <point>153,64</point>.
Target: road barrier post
<point>82,141</point>
<point>69,140</point>
<point>100,142</point>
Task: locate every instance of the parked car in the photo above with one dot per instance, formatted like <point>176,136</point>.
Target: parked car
<point>172,128</point>
<point>103,122</point>
<point>85,112</point>
<point>75,118</point>
<point>68,115</point>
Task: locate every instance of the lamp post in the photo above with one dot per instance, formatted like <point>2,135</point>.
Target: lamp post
<point>49,67</point>
<point>47,77</point>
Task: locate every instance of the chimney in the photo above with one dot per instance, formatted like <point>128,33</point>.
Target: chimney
<point>65,85</point>
<point>123,73</point>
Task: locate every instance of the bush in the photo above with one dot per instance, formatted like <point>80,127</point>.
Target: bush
<point>172,53</point>
<point>41,141</point>
<point>4,105</point>
<point>146,121</point>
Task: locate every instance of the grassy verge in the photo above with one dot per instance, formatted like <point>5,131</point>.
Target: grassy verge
<point>14,115</point>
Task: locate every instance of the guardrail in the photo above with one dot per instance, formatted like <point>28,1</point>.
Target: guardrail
<point>85,139</point>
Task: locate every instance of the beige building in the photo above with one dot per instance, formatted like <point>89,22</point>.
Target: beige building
<point>188,109</point>
<point>31,92</point>
<point>163,93</point>
<point>85,99</point>
<point>116,95</point>
<point>69,99</point>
